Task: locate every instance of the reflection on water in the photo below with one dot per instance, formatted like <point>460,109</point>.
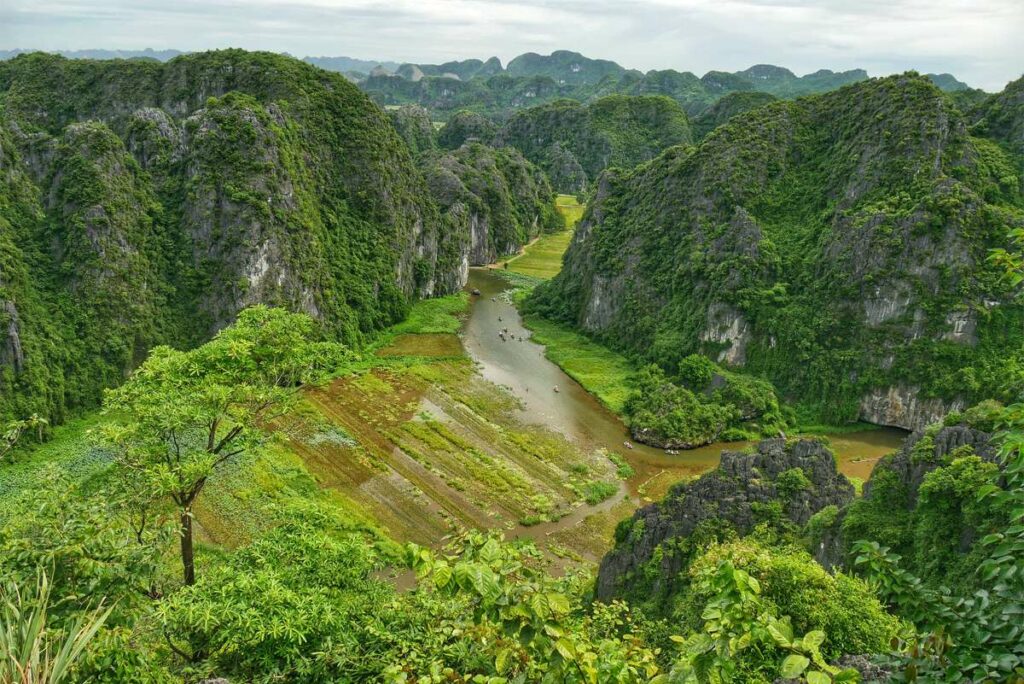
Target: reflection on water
<point>512,360</point>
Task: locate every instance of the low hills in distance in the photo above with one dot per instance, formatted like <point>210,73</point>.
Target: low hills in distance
<point>489,87</point>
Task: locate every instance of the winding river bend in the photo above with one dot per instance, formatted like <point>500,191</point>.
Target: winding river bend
<point>520,364</point>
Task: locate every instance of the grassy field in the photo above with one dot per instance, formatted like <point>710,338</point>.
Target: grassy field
<point>543,257</point>
<point>569,207</point>
<point>433,316</point>
<point>602,372</point>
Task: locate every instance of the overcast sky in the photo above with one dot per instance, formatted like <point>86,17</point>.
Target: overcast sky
<point>979,41</point>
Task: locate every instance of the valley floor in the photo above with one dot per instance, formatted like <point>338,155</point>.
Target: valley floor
<point>429,437</point>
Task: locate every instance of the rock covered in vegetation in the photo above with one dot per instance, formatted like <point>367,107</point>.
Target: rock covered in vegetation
<point>565,137</point>
<point>726,108</point>
<point>564,66</point>
<point>700,403</point>
<point>779,479</point>
<point>466,127</point>
<point>837,245</point>
<point>149,202</point>
<point>493,201</point>
<point>922,500</point>
<point>414,127</point>
<point>1001,116</point>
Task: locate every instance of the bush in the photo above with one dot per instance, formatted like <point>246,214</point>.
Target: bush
<point>843,607</point>
<point>696,371</point>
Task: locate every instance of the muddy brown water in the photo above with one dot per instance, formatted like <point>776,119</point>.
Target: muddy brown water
<point>520,365</point>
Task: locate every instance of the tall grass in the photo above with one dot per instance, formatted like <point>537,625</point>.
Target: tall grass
<point>30,653</point>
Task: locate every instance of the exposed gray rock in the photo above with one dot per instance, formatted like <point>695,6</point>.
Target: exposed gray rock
<point>962,326</point>
<point>11,353</point>
<point>887,304</point>
<point>728,327</point>
<point>901,406</point>
<point>728,496</point>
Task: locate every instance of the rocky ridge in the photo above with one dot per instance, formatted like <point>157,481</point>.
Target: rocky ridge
<point>737,495</point>
<point>836,245</point>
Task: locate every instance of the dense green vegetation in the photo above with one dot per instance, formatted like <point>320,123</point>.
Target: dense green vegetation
<point>573,143</point>
<point>726,108</point>
<point>700,404</point>
<point>239,508</point>
<point>493,201</point>
<point>783,245</point>
<point>149,202</point>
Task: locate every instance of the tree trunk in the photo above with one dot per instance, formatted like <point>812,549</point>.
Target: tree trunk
<point>187,554</point>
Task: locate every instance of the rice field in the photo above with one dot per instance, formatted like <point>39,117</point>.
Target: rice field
<point>542,258</point>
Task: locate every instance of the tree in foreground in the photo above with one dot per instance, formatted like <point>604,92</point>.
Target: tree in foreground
<point>184,414</point>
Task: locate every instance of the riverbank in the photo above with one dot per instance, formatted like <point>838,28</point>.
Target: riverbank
<point>600,370</point>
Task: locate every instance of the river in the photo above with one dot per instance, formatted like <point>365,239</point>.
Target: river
<point>520,365</point>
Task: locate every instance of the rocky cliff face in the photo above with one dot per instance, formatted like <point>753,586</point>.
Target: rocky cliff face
<point>651,548</point>
<point>162,198</point>
<point>574,143</point>
<point>493,200</point>
<point>886,511</point>
<point>836,245</point>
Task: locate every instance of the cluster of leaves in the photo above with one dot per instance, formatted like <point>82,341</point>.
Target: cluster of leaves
<point>30,651</point>
<point>15,429</point>
<point>527,621</point>
<point>973,632</point>
<point>742,638</point>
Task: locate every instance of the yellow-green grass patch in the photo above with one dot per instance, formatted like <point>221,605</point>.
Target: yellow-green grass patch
<point>570,208</point>
<point>432,345</point>
<point>602,372</point>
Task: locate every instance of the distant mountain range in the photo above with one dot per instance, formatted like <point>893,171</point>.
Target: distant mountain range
<point>531,79</point>
<point>159,55</point>
<point>488,87</point>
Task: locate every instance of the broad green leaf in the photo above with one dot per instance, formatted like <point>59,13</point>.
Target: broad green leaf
<point>565,649</point>
<point>818,677</point>
<point>812,640</point>
<point>793,666</point>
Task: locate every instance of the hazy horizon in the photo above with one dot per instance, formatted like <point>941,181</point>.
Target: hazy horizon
<point>978,42</point>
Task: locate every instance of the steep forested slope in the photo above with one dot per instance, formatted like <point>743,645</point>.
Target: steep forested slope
<point>573,143</point>
<point>493,201</point>
<point>837,244</point>
<point>148,202</point>
<point>414,126</point>
<point>1001,117</point>
<point>726,108</point>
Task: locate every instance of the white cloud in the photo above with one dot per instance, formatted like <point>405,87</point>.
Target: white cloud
<point>977,40</point>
